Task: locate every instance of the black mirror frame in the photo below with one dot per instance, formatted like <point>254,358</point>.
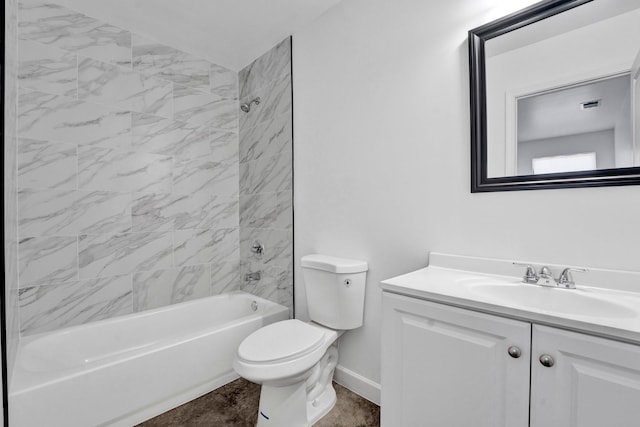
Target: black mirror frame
<point>478,98</point>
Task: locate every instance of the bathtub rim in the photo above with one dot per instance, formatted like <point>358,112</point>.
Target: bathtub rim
<point>24,380</point>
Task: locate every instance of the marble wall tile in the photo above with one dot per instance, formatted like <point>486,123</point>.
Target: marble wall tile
<point>284,211</point>
<point>60,118</point>
<point>110,84</point>
<point>225,277</point>
<point>155,134</point>
<point>111,183</point>
<point>152,289</point>
<point>267,174</point>
<point>123,171</point>
<point>224,211</point>
<point>166,212</point>
<point>48,69</point>
<point>112,255</point>
<point>70,212</point>
<point>42,164</point>
<point>10,235</point>
<point>285,297</point>
<point>278,245</point>
<point>265,156</point>
<point>47,260</point>
<point>258,210</point>
<point>275,284</point>
<point>275,101</point>
<point>191,105</point>
<point>224,82</point>
<point>271,65</point>
<point>171,64</point>
<point>224,146</point>
<point>263,289</point>
<point>226,115</point>
<point>192,247</point>
<point>190,176</point>
<point>267,138</point>
<point>45,308</point>
<point>266,287</point>
<point>57,26</point>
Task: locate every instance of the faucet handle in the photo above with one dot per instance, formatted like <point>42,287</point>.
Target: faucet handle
<point>545,272</point>
<point>530,275</point>
<point>566,279</point>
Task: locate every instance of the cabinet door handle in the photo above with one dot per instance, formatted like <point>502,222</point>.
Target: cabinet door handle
<point>514,352</point>
<point>547,360</point>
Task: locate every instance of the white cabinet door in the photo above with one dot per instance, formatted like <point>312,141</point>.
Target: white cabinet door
<point>594,382</point>
<point>448,367</point>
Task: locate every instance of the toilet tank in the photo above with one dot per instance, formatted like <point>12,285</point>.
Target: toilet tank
<point>335,290</point>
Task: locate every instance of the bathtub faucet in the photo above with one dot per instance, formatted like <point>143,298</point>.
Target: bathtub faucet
<point>252,277</point>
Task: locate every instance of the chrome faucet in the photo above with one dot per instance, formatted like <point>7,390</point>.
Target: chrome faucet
<point>566,280</point>
<point>530,275</point>
<point>252,277</point>
<point>545,277</point>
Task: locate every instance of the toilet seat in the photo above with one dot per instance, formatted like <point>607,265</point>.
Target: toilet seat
<point>282,351</point>
<point>280,342</point>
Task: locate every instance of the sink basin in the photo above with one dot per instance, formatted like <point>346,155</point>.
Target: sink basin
<point>565,301</point>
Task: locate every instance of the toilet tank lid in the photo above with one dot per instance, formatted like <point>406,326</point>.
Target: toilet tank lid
<point>333,264</point>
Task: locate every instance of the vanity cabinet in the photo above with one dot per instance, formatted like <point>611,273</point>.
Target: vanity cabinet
<point>594,382</point>
<point>444,366</point>
<point>448,367</point>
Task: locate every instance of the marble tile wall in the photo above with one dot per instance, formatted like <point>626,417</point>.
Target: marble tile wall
<point>266,175</point>
<point>128,173</point>
<point>12,322</point>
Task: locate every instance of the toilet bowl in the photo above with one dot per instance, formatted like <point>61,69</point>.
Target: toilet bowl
<point>295,360</point>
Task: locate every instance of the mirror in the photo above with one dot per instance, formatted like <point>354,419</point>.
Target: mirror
<point>555,97</point>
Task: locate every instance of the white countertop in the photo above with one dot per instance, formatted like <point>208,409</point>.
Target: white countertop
<point>456,287</point>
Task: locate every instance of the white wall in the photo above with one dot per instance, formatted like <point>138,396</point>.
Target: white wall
<point>381,131</point>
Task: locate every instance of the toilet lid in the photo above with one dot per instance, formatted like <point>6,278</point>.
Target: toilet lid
<point>281,341</point>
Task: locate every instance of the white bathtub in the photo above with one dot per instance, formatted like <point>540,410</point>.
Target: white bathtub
<point>125,370</point>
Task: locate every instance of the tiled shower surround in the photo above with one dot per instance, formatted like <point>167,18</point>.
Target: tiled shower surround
<point>128,173</point>
<point>12,321</point>
<point>266,175</point>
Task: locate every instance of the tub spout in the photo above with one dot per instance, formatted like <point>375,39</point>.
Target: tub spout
<point>252,277</point>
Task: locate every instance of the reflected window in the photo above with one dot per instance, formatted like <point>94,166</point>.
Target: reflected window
<point>568,163</point>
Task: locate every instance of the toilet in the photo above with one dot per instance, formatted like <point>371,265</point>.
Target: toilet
<point>294,360</point>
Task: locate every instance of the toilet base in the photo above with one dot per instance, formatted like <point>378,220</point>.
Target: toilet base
<point>286,406</point>
<point>302,403</point>
<point>283,406</point>
<point>321,406</point>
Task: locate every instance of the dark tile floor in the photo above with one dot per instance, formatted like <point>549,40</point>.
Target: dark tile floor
<point>236,405</point>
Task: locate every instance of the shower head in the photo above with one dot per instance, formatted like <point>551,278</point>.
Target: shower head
<point>246,107</point>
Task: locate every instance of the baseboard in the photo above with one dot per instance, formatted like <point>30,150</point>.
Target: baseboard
<point>358,384</point>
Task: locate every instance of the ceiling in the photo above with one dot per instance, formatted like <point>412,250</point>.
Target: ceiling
<point>231,33</point>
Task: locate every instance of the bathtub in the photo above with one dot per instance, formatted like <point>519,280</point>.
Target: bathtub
<point>125,370</point>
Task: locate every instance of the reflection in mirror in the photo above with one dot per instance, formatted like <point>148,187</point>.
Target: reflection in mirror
<point>582,127</point>
<point>556,90</point>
